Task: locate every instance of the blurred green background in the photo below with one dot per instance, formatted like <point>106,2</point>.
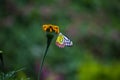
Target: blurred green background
<point>92,25</point>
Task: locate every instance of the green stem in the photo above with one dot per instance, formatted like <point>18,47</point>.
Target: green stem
<point>2,62</point>
<point>49,39</point>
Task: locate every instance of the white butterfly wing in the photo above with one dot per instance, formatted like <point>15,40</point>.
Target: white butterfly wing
<point>67,41</point>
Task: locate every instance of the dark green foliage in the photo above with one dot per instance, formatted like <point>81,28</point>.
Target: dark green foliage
<point>92,25</point>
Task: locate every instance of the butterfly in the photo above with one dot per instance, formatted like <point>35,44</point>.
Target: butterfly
<point>63,41</point>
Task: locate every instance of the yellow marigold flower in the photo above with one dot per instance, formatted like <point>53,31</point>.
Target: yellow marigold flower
<point>51,28</point>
